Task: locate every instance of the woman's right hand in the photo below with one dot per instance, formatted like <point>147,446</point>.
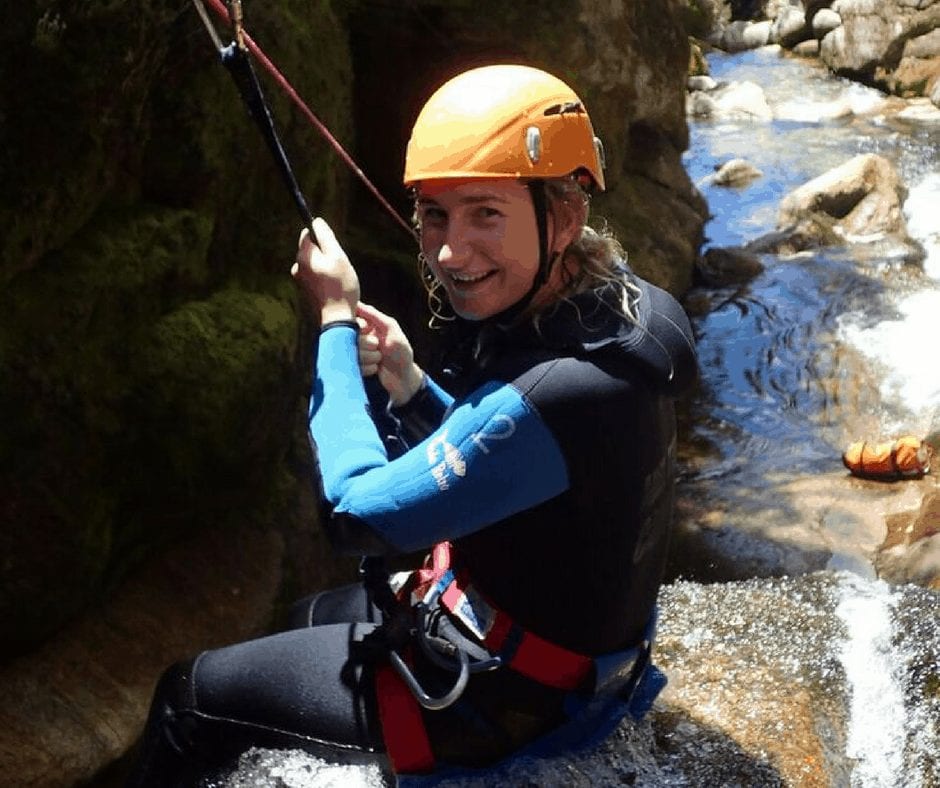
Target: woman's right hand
<point>385,350</point>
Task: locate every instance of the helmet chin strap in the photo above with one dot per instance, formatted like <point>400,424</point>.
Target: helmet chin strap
<point>546,262</point>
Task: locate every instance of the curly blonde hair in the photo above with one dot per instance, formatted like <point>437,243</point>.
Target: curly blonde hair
<point>595,260</point>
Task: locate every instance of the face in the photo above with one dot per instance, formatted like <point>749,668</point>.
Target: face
<point>481,240</point>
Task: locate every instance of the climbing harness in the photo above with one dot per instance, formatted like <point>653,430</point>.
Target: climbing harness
<point>601,691</point>
<point>235,57</point>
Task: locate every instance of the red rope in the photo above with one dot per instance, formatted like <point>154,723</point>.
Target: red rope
<point>222,12</point>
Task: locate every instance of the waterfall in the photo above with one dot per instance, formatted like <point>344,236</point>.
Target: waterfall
<point>875,728</point>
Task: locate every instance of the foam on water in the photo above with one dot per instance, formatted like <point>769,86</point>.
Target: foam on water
<point>901,346</point>
<point>875,734</point>
<point>921,212</point>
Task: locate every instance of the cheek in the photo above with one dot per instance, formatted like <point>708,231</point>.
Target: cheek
<point>430,243</point>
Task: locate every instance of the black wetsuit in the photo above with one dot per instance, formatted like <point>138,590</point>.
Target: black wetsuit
<point>551,471</point>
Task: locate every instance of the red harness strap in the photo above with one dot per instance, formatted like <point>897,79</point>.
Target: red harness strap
<point>523,651</point>
<point>403,728</point>
<point>406,739</point>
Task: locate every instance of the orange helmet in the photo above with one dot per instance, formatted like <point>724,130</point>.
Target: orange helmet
<point>503,121</point>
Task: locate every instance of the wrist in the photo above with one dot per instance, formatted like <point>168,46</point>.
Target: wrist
<point>336,312</point>
<point>412,383</point>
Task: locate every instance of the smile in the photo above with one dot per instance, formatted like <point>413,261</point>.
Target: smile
<point>469,278</point>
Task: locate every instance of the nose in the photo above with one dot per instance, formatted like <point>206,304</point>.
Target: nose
<point>456,247</point>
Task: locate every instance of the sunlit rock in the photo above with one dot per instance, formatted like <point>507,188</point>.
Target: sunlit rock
<point>741,35</point>
<point>824,21</point>
<point>878,42</point>
<point>789,27</point>
<point>920,111</point>
<point>808,48</point>
<point>911,550</point>
<point>743,100</point>
<point>736,172</point>
<point>863,197</point>
<point>701,82</point>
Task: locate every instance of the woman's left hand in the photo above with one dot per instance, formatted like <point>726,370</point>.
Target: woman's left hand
<point>325,275</point>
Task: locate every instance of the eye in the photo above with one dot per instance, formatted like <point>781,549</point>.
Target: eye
<point>488,212</point>
<point>432,215</point>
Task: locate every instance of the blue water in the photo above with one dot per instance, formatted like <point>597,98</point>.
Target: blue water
<point>781,390</point>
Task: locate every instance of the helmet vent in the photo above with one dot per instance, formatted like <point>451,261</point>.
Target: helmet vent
<point>533,143</point>
<point>561,109</point>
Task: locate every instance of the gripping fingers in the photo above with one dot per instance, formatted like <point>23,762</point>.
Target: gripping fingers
<point>370,356</point>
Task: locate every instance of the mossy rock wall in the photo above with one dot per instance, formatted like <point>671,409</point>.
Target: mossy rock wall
<point>155,362</point>
<point>153,359</point>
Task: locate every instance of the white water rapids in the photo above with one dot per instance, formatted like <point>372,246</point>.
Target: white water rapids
<point>875,729</point>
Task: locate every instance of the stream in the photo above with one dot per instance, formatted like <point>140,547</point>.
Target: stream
<point>826,676</point>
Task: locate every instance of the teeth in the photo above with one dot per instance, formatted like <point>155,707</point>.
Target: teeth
<point>469,277</point>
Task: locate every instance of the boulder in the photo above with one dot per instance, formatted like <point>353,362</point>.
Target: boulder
<point>825,21</point>
<point>920,111</point>
<point>736,172</point>
<point>789,27</point>
<point>910,552</point>
<point>740,36</point>
<point>812,232</point>
<point>723,266</point>
<point>699,104</point>
<point>925,46</point>
<point>870,44</point>
<point>808,48</point>
<point>698,65</point>
<point>741,100</point>
<point>863,197</point>
<point>701,83</point>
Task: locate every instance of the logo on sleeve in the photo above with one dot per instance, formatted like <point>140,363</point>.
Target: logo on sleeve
<point>444,456</point>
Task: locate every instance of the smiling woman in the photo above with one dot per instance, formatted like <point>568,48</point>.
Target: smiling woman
<point>540,475</point>
<point>483,268</point>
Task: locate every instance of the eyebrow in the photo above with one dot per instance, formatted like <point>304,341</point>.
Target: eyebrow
<point>470,200</point>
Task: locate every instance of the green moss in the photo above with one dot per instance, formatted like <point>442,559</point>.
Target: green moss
<point>216,379</point>
<point>69,106</point>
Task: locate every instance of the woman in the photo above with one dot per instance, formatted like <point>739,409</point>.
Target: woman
<point>540,472</point>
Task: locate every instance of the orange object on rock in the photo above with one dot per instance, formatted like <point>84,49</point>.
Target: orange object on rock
<point>905,457</point>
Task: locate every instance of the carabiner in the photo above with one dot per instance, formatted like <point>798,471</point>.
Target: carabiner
<point>428,701</point>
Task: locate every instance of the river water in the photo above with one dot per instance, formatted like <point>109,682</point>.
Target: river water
<point>830,678</point>
<point>783,381</point>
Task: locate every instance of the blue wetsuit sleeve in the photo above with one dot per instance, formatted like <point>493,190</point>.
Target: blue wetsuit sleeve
<point>424,412</point>
<point>492,457</point>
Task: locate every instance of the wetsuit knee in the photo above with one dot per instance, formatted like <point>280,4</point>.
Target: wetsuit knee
<point>166,749</point>
<point>349,604</point>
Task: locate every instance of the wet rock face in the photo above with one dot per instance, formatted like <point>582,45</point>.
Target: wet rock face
<point>152,360</point>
